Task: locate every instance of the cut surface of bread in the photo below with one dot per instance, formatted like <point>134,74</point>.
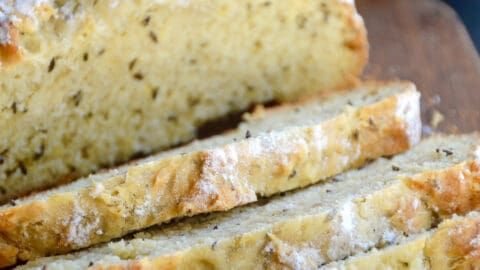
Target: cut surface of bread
<point>358,210</point>
<point>454,245</point>
<point>274,151</point>
<point>86,84</point>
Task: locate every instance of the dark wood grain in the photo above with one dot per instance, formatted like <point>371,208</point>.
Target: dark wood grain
<point>424,41</point>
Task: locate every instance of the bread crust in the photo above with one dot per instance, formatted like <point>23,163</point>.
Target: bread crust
<point>10,53</point>
<point>211,180</point>
<point>453,245</point>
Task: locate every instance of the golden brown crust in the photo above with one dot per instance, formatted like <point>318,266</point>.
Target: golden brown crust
<point>358,44</point>
<point>10,52</point>
<point>8,255</point>
<point>456,245</point>
<point>452,191</point>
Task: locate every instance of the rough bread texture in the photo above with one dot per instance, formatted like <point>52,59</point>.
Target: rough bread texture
<point>454,245</point>
<point>359,210</point>
<point>309,142</point>
<point>86,84</point>
<point>408,254</point>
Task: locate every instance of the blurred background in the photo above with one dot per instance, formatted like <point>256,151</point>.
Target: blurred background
<point>469,12</point>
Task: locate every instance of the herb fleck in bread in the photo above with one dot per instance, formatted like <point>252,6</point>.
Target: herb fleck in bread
<point>359,210</point>
<point>454,245</point>
<point>275,151</point>
<point>86,84</point>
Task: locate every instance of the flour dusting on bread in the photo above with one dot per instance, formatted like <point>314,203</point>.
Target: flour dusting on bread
<point>409,111</point>
<point>80,225</point>
<point>13,11</point>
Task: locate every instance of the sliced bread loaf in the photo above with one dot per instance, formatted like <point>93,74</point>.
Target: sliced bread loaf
<point>308,143</point>
<point>454,245</point>
<point>86,84</point>
<point>361,209</point>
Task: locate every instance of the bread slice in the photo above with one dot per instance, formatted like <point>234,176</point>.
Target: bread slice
<point>307,143</point>
<point>408,254</point>
<point>86,84</point>
<point>454,245</point>
<point>361,209</point>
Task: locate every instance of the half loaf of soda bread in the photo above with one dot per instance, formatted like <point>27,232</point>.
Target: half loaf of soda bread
<point>86,84</point>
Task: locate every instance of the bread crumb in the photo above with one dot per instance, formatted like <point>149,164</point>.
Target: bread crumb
<point>437,118</point>
<point>257,113</point>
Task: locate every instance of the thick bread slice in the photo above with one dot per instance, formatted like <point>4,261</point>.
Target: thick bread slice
<point>86,83</point>
<point>454,245</point>
<point>370,207</point>
<point>309,142</point>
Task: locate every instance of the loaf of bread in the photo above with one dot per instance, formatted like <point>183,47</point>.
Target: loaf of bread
<point>86,84</point>
<point>274,151</point>
<point>370,207</point>
<point>454,245</point>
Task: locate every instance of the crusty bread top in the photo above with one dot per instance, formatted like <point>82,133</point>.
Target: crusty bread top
<point>456,244</point>
<point>435,153</point>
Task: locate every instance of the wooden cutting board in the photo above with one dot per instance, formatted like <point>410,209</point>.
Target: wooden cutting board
<point>425,42</point>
